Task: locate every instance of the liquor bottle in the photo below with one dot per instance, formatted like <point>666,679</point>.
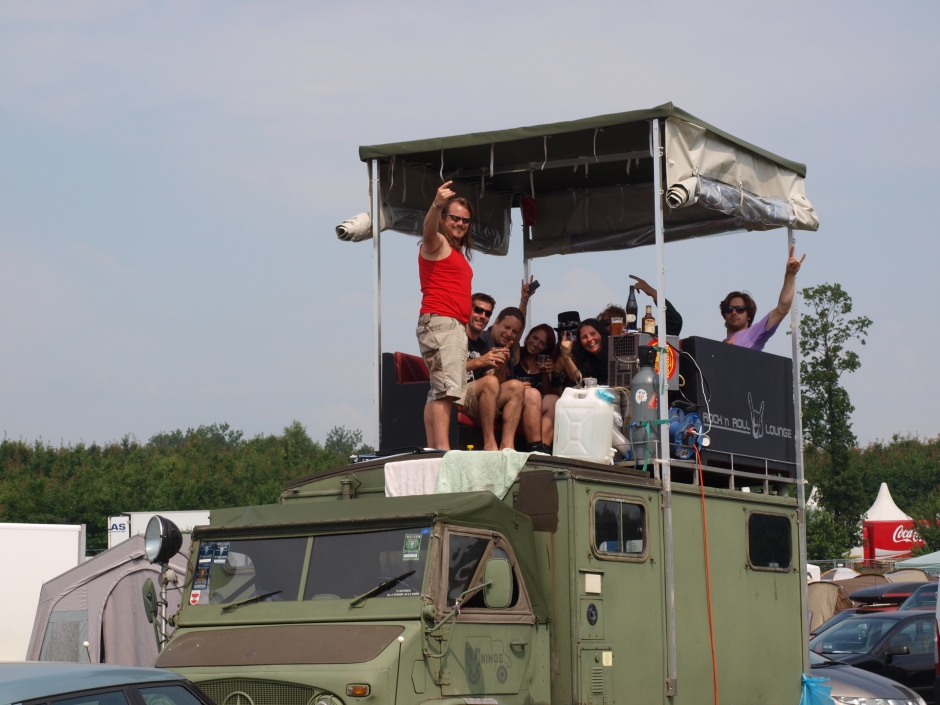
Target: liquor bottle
<point>649,323</point>
<point>632,310</point>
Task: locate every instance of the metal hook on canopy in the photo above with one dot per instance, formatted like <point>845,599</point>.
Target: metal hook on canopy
<point>442,165</point>
<point>596,130</point>
<point>391,174</point>
<point>492,152</point>
<point>545,150</point>
<point>629,162</point>
<point>532,182</point>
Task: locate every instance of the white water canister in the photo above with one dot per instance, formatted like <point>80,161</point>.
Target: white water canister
<point>584,425</point>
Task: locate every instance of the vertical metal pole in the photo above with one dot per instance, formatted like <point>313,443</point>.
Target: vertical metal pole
<point>666,471</point>
<point>800,488</point>
<point>526,273</point>
<point>377,289</point>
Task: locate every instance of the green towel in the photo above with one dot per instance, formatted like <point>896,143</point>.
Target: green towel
<point>477,470</point>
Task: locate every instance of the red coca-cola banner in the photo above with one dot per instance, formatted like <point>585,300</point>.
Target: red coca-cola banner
<point>890,539</point>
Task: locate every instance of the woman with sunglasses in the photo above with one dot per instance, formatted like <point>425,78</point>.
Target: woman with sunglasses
<point>446,278</point>
<point>540,343</point>
<point>586,356</point>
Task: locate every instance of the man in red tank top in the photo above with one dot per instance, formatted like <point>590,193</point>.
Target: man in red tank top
<point>446,279</point>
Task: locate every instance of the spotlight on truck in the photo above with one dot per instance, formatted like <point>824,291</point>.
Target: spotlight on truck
<point>162,540</point>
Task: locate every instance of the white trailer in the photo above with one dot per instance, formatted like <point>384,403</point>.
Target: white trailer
<point>31,554</point>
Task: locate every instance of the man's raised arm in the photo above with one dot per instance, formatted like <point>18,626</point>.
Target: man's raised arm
<point>777,315</point>
<point>432,221</point>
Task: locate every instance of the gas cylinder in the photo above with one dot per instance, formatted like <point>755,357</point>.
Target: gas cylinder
<point>644,403</point>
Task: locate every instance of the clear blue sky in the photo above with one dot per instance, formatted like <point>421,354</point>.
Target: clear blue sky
<point>171,174</point>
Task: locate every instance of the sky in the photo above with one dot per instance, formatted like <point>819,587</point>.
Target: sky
<point>171,175</point>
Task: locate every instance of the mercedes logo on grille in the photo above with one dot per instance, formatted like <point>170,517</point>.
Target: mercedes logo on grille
<point>238,698</point>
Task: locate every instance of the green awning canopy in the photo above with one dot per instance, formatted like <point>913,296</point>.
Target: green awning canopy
<point>628,132</point>
<point>591,183</point>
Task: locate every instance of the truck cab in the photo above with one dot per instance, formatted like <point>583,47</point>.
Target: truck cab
<point>555,593</point>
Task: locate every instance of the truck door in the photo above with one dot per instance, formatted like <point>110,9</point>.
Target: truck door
<point>488,651</point>
<point>620,601</point>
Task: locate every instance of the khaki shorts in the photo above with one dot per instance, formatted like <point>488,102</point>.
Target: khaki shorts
<point>443,343</point>
<point>471,403</point>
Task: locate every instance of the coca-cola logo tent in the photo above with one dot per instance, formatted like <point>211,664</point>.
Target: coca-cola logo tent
<point>888,532</point>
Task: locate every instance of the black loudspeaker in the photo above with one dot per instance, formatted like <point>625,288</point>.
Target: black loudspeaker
<point>750,404</point>
<point>402,418</point>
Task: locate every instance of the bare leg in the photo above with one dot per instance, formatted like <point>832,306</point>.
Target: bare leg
<point>532,415</point>
<point>511,395</point>
<point>437,422</point>
<point>548,418</point>
<point>487,391</point>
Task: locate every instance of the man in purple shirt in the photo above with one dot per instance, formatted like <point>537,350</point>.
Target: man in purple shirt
<point>738,309</point>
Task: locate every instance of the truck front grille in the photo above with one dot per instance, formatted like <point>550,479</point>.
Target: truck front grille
<point>239,691</point>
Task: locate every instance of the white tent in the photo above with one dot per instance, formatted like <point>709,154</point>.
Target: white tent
<point>884,508</point>
<point>101,601</point>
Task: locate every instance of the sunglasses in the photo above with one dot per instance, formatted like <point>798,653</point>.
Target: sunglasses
<point>735,309</point>
<point>480,311</point>
<point>458,219</point>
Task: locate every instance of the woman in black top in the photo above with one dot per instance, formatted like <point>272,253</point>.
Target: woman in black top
<point>540,341</point>
<point>587,355</point>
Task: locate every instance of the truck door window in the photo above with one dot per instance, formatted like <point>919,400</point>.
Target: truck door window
<point>768,541</point>
<point>619,527</point>
<point>344,566</point>
<point>464,558</point>
<point>239,569</point>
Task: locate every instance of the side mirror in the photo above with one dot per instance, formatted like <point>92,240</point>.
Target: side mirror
<point>897,651</point>
<point>162,540</point>
<point>498,594</point>
<point>150,608</point>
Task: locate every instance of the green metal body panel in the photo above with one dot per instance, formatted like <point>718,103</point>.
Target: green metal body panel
<point>598,636</point>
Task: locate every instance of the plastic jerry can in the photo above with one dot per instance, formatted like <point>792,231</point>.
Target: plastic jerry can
<point>584,425</point>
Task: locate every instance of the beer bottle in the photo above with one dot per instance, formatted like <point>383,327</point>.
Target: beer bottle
<point>631,310</point>
<point>649,323</point>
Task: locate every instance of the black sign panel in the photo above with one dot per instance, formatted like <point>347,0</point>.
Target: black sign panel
<point>750,399</point>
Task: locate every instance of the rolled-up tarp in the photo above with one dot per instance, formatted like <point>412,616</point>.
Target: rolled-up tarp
<point>355,229</point>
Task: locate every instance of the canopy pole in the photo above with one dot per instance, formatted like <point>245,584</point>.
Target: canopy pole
<point>526,273</point>
<point>798,432</point>
<point>665,469</point>
<point>377,289</point>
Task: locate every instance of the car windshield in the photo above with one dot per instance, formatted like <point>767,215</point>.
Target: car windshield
<point>923,598</point>
<point>857,635</point>
<point>817,660</point>
<point>339,566</point>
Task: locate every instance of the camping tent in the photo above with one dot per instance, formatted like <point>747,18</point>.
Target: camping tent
<point>840,573</point>
<point>825,601</point>
<point>908,574</point>
<point>929,561</point>
<point>100,601</point>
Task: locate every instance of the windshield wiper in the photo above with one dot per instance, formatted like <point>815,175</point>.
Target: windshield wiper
<point>253,598</point>
<point>380,588</point>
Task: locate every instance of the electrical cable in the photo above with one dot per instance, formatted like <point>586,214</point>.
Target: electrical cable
<point>706,397</point>
<point>708,575</point>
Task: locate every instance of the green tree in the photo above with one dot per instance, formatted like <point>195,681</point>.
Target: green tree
<point>827,428</point>
<point>825,537</point>
<point>204,468</point>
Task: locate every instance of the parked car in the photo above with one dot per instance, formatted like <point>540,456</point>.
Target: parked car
<point>923,598</point>
<point>35,682</point>
<point>897,645</point>
<point>886,596</point>
<point>854,686</point>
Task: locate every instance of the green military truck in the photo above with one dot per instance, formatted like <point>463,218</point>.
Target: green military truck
<point>339,595</point>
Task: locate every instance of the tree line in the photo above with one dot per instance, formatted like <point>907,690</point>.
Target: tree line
<point>205,468</point>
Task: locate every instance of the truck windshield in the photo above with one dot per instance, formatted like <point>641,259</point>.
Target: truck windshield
<point>344,566</point>
<point>341,566</point>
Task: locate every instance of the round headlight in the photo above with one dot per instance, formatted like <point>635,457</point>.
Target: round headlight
<point>162,540</point>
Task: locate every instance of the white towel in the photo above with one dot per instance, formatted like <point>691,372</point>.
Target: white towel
<point>411,477</point>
